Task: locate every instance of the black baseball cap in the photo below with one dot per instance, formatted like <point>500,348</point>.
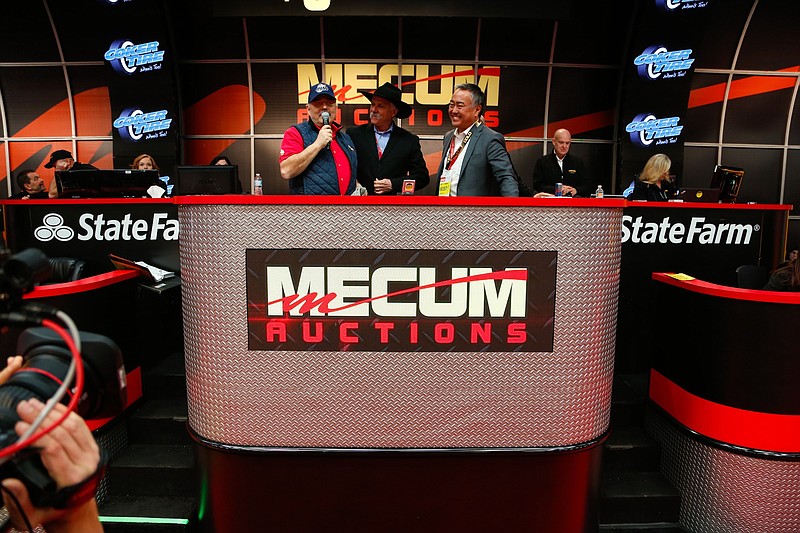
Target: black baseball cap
<point>58,154</point>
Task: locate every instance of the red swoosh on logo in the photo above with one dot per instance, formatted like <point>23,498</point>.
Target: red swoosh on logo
<point>309,301</point>
<point>342,92</point>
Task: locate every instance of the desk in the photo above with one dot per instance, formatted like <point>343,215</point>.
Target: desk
<point>642,250</point>
<point>137,229</point>
<point>726,405</point>
<point>305,428</point>
<point>707,241</point>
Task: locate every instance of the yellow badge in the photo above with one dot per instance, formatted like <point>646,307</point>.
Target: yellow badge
<point>444,184</point>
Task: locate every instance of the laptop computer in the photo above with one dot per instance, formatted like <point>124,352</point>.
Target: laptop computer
<point>698,195</point>
<point>110,183</point>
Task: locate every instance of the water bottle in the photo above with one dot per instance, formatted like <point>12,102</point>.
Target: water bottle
<point>258,185</point>
<point>599,192</point>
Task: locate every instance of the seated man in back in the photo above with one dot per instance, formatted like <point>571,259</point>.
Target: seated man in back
<point>561,167</point>
<point>31,186</point>
<point>61,160</point>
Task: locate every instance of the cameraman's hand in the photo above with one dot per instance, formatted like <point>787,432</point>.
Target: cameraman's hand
<point>14,363</point>
<point>71,455</point>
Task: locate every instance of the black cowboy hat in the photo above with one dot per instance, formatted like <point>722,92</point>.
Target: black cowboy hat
<point>394,95</point>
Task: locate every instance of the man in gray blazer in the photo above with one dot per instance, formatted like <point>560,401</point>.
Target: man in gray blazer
<point>475,161</point>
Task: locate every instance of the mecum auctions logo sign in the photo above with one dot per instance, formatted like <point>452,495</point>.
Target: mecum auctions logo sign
<point>401,300</point>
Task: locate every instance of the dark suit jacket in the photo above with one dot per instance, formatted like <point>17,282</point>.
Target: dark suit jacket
<point>547,173</point>
<point>401,160</point>
<point>652,193</point>
<point>486,169</point>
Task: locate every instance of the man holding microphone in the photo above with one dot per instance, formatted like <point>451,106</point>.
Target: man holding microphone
<point>317,157</point>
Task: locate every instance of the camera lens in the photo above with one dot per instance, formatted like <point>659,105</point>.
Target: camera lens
<point>19,273</point>
<point>47,361</point>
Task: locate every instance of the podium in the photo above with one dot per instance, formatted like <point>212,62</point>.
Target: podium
<point>398,364</point>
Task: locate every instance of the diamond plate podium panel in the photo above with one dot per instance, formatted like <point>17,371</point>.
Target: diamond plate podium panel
<point>415,399</point>
<point>725,491</point>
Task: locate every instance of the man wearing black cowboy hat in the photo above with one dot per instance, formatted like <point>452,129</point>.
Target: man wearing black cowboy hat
<point>387,154</point>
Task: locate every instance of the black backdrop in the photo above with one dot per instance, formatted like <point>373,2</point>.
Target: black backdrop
<point>234,81</point>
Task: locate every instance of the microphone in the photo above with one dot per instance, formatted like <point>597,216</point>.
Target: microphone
<point>326,121</point>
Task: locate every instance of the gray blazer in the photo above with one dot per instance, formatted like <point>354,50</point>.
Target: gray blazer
<point>486,169</point>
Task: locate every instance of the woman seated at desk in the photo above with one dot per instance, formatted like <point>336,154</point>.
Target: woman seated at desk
<point>144,162</point>
<point>653,184</point>
<point>786,278</point>
<point>221,160</point>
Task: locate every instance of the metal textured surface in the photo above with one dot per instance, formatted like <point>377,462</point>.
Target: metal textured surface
<point>398,400</point>
<point>113,441</point>
<point>724,492</point>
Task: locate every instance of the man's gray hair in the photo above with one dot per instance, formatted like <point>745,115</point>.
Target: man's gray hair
<point>478,98</point>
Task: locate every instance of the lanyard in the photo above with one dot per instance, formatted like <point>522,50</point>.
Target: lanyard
<point>451,157</point>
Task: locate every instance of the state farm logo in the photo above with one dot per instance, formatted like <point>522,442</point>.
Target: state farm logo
<point>53,228</point>
<point>697,231</point>
<point>407,300</point>
<point>100,228</point>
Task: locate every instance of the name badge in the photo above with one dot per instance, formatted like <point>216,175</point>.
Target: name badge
<point>444,183</point>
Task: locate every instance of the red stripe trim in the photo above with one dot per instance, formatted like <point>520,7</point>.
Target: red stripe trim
<point>242,199</point>
<point>88,201</point>
<point>300,199</point>
<point>304,199</point>
<point>82,285</point>
<point>693,205</point>
<point>729,425</point>
<point>134,381</point>
<point>733,293</point>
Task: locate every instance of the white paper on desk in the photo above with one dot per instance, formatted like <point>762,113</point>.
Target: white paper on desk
<point>157,273</point>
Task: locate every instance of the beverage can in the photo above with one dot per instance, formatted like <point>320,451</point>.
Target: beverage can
<point>559,189</point>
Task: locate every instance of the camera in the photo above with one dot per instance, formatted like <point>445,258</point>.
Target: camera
<point>19,273</point>
<point>47,359</point>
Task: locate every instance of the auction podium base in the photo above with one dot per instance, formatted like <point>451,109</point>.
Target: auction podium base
<point>285,489</point>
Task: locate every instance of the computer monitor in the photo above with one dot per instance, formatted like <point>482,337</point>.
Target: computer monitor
<point>114,183</point>
<point>207,179</point>
<point>728,180</point>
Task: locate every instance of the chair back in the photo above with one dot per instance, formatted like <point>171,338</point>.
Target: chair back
<point>751,277</point>
<point>65,269</point>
